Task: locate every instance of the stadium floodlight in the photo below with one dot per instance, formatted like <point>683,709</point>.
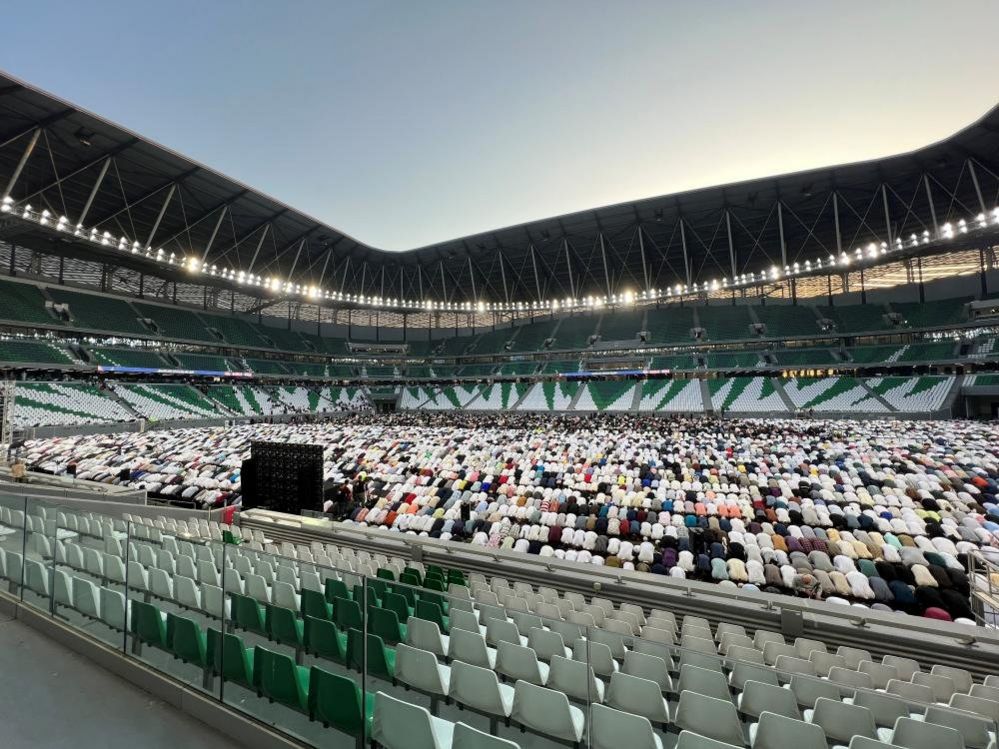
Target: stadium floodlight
<point>962,226</point>
<point>27,211</point>
<point>6,204</point>
<point>947,230</point>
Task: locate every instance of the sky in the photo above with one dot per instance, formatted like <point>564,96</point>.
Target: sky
<point>405,123</point>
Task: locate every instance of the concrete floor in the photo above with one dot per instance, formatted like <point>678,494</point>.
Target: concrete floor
<point>54,698</point>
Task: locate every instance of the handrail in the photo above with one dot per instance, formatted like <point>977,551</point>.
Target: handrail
<point>973,647</point>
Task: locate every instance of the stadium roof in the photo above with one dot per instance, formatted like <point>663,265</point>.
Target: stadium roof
<point>61,158</point>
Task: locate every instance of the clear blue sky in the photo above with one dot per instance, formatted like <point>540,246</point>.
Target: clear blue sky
<point>404,123</point>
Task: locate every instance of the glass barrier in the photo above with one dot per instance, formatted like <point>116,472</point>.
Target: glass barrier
<point>12,539</point>
<point>305,639</point>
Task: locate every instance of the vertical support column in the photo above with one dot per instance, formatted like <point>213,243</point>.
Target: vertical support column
<point>603,254</point>
<point>919,271</point>
<point>933,209</point>
<point>204,297</point>
<point>440,267</point>
<point>62,269</point>
<point>686,256</point>
<point>142,285</point>
<point>13,260</point>
<point>794,291</point>
<point>25,155</point>
<point>645,267</point>
<point>829,289</point>
<point>974,181</point>
<point>839,236</point>
<point>419,277</point>
<point>863,287</point>
<point>174,292</point>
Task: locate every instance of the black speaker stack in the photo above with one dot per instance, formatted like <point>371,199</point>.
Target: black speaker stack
<point>283,476</point>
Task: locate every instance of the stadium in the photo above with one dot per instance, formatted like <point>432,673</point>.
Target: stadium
<point>712,468</point>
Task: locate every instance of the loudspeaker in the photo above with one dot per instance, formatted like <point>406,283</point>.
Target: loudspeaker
<point>248,483</point>
<point>286,477</point>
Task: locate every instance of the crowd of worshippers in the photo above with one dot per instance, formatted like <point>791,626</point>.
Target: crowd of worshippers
<point>880,513</point>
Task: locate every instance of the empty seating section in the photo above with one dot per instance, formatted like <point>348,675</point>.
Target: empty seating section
<point>678,361</point>
<point>454,346</point>
<point>204,362</point>
<point>282,338</point>
<point>574,332</point>
<point>873,354</point>
<point>670,324</point>
<point>476,370</point>
<point>99,312</point>
<point>671,396</point>
<point>24,303</point>
<point>839,394</point>
<point>127,357</point>
<point>805,357</point>
<point>621,326</point>
<point>376,371</point>
<point>787,321</point>
<point>513,369</point>
<point>493,342</point>
<point>418,370</point>
<point>927,352</point>
<point>533,336</point>
<point>856,318</point>
<point>327,640</point>
<point>45,404</point>
<point>264,366</point>
<point>22,351</point>
<point>913,394</point>
<point>419,347</point>
<point>725,323</point>
<point>306,369</point>
<point>549,396</point>
<point>243,400</point>
<point>324,345</point>
<point>932,314</point>
<point>981,380</point>
<point>732,360</point>
<point>606,395</point>
<point>560,367</point>
<point>167,402</point>
<point>175,322</point>
<point>746,395</point>
<point>500,396</point>
<point>235,331</point>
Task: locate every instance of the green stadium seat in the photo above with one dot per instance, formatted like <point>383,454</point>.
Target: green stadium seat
<point>324,639</point>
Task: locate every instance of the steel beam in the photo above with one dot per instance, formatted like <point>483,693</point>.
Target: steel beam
<point>159,216</point>
<point>603,254</point>
<point>260,243</point>
<point>471,275</point>
<point>686,256</point>
<point>568,263</point>
<point>731,244</point>
<point>25,155</point>
<point>974,181</point>
<point>884,202</point>
<point>94,190</point>
<point>506,291</point>
<point>534,264</point>
<point>780,228</point>
<point>215,231</point>
<point>839,236</point>
<point>645,267</point>
<point>933,210</point>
